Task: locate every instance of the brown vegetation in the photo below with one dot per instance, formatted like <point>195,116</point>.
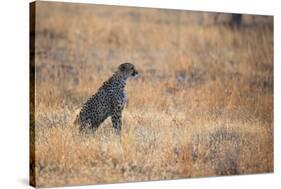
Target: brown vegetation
<point>203,105</point>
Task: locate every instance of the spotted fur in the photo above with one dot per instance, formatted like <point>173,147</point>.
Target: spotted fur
<point>109,101</point>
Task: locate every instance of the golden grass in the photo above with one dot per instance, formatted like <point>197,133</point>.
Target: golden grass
<point>203,105</point>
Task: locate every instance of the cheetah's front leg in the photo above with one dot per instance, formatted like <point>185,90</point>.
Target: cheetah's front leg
<point>116,119</point>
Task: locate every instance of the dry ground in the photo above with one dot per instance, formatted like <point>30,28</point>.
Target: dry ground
<point>203,105</point>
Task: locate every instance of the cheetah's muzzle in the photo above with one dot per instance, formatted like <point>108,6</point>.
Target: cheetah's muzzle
<point>135,73</point>
<point>109,101</point>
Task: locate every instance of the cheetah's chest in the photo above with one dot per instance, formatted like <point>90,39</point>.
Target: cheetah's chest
<point>122,99</point>
<point>125,101</point>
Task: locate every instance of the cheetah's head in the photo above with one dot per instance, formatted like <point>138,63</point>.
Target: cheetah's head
<point>128,70</point>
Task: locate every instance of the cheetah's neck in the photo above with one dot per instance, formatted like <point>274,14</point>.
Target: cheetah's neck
<point>117,81</point>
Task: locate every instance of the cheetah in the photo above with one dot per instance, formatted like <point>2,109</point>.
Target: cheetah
<point>109,101</point>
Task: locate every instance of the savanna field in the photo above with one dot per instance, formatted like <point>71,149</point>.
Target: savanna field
<point>202,105</point>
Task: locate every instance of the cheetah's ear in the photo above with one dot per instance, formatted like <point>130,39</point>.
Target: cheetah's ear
<point>122,67</point>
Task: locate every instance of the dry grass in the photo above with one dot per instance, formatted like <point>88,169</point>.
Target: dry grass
<point>203,105</point>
